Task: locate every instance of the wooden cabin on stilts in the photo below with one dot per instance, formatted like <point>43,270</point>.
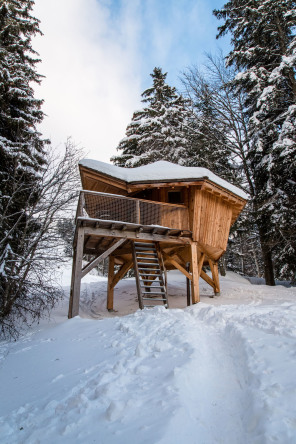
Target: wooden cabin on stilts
<point>152,218</point>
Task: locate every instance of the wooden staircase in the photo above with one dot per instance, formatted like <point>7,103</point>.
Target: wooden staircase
<point>149,272</point>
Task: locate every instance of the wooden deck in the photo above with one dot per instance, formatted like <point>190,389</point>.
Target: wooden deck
<point>107,226</point>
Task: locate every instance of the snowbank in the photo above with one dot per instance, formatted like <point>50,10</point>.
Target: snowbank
<point>221,371</point>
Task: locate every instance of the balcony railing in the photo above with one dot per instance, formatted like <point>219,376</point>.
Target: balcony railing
<point>103,206</point>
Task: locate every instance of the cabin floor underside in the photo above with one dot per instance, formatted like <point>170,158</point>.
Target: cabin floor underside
<point>101,239</point>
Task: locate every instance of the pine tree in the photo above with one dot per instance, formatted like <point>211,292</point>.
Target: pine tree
<point>158,131</point>
<point>264,50</point>
<point>22,149</point>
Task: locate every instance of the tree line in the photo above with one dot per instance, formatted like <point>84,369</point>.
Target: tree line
<point>237,117</point>
<point>37,185</point>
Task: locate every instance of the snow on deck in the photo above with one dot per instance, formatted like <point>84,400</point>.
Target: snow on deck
<point>160,171</point>
<point>222,371</point>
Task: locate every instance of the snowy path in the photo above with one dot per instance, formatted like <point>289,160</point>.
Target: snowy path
<point>204,375</point>
<point>159,386</point>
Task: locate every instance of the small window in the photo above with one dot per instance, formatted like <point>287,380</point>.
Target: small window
<point>175,197</point>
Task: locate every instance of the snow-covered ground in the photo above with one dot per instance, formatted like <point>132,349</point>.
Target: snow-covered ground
<point>222,371</point>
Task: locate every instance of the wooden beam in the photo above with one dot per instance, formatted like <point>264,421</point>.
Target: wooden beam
<point>102,256</point>
<point>105,232</point>
<point>180,259</point>
<point>207,278</point>
<point>215,276</point>
<point>172,250</point>
<point>195,275</point>
<point>176,265</point>
<point>98,243</point>
<point>76,275</point>
<point>200,262</point>
<point>121,273</point>
<point>110,289</point>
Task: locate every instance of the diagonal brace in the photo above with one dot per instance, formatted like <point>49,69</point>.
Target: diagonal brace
<point>98,259</point>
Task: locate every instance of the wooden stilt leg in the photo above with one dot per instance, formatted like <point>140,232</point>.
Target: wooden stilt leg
<point>215,276</point>
<point>72,283</point>
<point>76,275</point>
<point>110,288</point>
<point>195,275</point>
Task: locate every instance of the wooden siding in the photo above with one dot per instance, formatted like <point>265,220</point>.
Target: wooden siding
<point>210,220</point>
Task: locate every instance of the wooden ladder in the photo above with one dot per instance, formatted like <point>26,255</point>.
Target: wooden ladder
<point>149,271</point>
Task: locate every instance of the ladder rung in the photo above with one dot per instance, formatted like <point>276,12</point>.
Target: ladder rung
<point>144,244</point>
<point>147,254</point>
<point>149,269</point>
<point>140,249</point>
<point>155,259</point>
<point>152,286</point>
<point>160,293</point>
<point>142,281</point>
<point>148,263</point>
<point>153,299</point>
<point>147,274</point>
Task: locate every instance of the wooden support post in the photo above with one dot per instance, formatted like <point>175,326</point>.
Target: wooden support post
<point>195,275</point>
<point>138,215</point>
<point>188,285</point>
<point>110,289</point>
<point>76,275</point>
<point>215,276</point>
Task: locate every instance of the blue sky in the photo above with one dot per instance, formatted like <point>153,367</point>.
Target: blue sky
<point>97,56</point>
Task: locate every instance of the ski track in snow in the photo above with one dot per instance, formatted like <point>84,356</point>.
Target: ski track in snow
<point>207,374</point>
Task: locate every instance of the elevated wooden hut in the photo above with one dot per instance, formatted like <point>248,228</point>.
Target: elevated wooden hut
<point>152,218</point>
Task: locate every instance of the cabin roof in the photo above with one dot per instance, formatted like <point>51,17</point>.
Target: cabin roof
<point>161,171</point>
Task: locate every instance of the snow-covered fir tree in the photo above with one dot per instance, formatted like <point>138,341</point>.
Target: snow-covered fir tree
<point>21,148</point>
<point>263,39</point>
<point>158,131</point>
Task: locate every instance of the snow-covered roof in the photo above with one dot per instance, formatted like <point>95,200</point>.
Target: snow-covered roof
<point>160,171</point>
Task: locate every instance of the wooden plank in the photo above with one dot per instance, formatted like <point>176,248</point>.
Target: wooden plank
<point>133,187</point>
<point>121,273</point>
<point>72,280</point>
<point>180,260</point>
<point>207,278</point>
<point>110,289</point>
<point>196,204</point>
<point>102,256</point>
<point>76,275</point>
<point>163,269</point>
<point>138,214</point>
<point>139,290</point>
<point>176,265</point>
<point>200,262</point>
<point>104,232</point>
<point>195,276</point>
<point>215,276</point>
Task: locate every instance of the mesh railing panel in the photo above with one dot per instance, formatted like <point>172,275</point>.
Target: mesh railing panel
<point>110,208</point>
<point>121,209</point>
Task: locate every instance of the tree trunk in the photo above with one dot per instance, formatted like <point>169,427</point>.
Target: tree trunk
<point>222,266</point>
<point>267,259</point>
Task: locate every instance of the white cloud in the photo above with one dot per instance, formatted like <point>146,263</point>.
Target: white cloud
<point>92,85</point>
<point>97,56</point>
